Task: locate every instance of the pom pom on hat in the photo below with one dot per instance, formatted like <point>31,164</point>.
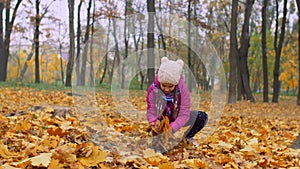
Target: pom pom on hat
<point>170,71</point>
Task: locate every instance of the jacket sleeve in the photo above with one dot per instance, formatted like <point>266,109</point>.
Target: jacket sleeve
<point>151,108</point>
<point>184,112</point>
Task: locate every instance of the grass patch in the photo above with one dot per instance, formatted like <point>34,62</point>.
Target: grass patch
<point>37,86</point>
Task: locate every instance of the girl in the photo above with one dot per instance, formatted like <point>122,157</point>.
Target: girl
<point>169,96</point>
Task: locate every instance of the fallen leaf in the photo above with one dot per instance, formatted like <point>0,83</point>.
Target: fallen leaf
<point>23,126</point>
<point>166,166</point>
<point>4,151</point>
<point>5,166</point>
<point>57,132</point>
<point>55,164</point>
<point>42,160</point>
<point>149,153</point>
<point>96,157</point>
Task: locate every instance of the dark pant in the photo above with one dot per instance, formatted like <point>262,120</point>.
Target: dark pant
<point>197,121</point>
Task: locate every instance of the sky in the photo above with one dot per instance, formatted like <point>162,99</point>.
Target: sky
<point>58,9</point>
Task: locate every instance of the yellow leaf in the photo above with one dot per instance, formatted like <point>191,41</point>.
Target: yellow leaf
<point>54,164</point>
<point>149,153</point>
<point>225,145</point>
<point>5,166</point>
<point>23,126</point>
<point>154,161</point>
<point>51,142</point>
<point>96,157</point>
<point>166,166</point>
<point>42,160</point>
<point>196,163</point>
<point>103,166</point>
<point>4,151</point>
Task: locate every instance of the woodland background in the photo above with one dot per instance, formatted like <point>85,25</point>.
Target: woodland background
<point>257,41</point>
<point>42,55</point>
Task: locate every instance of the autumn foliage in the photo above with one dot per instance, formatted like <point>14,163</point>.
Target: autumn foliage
<point>41,129</point>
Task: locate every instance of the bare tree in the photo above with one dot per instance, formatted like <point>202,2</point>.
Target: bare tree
<point>38,19</point>
<point>139,56</point>
<point>276,84</point>
<point>117,51</point>
<point>70,63</point>
<point>5,33</point>
<point>244,84</point>
<point>92,81</point>
<point>29,56</point>
<point>106,52</point>
<point>86,44</point>
<point>37,40</point>
<point>78,47</point>
<point>127,24</point>
<point>264,51</point>
<point>150,41</point>
<point>233,54</point>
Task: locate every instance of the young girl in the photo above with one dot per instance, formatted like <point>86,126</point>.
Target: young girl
<point>169,96</point>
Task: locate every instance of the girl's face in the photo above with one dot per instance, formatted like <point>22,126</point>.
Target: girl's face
<point>167,88</point>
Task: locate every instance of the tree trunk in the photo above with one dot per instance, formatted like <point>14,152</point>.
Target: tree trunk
<point>92,78</point>
<point>142,73</point>
<point>298,6</point>
<point>128,7</point>
<point>117,52</point>
<point>161,36</point>
<point>243,52</point>
<point>61,56</point>
<point>138,56</point>
<point>233,54</point>
<point>150,41</point>
<point>276,83</point>
<point>37,41</point>
<point>106,53</point>
<point>61,64</point>
<point>78,48</point>
<point>264,52</point>
<point>25,64</point>
<point>189,52</point>
<point>86,45</point>
<point>70,63</point>
<point>3,57</point>
<point>5,42</point>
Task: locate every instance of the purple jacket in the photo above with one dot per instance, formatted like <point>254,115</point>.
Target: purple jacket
<point>183,104</point>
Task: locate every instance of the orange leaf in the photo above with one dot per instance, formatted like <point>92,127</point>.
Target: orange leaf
<point>96,157</point>
<point>23,126</point>
<point>54,164</point>
<point>58,131</point>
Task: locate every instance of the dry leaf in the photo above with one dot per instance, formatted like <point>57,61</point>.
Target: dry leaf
<point>55,164</point>
<point>5,166</point>
<point>42,160</point>
<point>166,166</point>
<point>149,153</point>
<point>247,136</point>
<point>4,151</point>
<point>195,163</point>
<point>96,157</point>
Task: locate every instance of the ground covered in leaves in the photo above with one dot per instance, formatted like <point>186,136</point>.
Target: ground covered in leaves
<point>45,129</point>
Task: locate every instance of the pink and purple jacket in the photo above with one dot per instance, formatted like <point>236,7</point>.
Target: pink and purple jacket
<point>183,104</point>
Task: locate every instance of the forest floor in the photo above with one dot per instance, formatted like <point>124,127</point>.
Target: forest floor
<point>55,129</point>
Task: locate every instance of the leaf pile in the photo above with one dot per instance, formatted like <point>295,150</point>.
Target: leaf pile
<point>44,129</point>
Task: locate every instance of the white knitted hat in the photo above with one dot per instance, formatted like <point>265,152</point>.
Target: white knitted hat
<point>170,71</point>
